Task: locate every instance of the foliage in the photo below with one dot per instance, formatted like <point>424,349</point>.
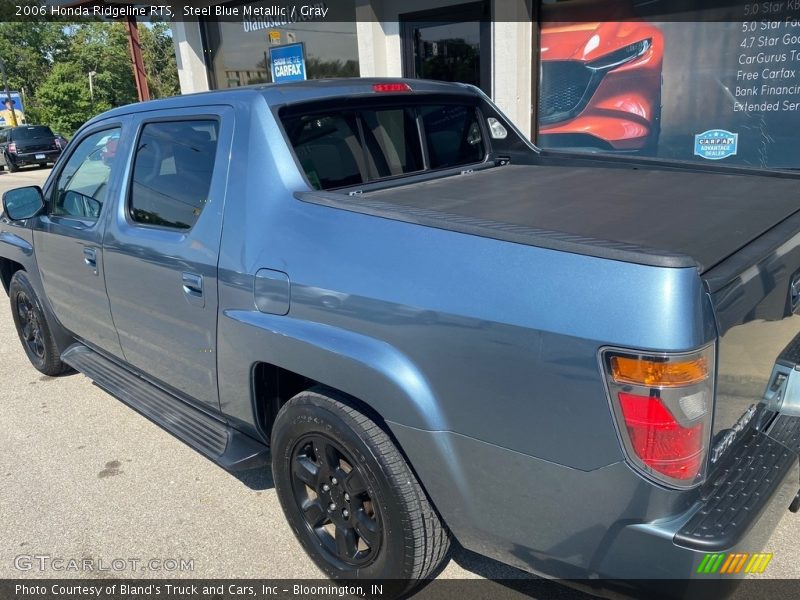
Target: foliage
<point>159,60</point>
<point>50,62</point>
<point>321,69</point>
<point>28,50</point>
<point>64,101</point>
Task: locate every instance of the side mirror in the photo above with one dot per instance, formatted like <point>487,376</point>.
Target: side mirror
<point>23,203</point>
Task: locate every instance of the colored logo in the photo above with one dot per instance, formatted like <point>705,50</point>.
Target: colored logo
<point>734,562</point>
<point>288,62</point>
<point>715,144</point>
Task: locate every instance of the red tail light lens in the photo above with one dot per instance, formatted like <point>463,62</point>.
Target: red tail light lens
<point>662,404</point>
<point>660,440</point>
<point>391,87</point>
<point>12,147</point>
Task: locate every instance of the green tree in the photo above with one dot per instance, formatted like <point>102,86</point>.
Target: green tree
<point>51,62</point>
<point>158,55</point>
<point>103,48</point>
<point>64,101</point>
<point>28,50</point>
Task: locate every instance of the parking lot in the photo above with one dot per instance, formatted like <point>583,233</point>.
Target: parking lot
<point>83,476</point>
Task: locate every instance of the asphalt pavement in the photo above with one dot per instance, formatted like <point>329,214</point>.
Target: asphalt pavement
<point>82,476</point>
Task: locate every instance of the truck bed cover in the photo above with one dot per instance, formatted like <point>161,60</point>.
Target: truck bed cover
<point>661,216</point>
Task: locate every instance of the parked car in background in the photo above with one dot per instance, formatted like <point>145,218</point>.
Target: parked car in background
<point>28,145</point>
<point>601,86</point>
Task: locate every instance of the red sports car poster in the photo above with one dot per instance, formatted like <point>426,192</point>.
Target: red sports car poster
<point>692,86</point>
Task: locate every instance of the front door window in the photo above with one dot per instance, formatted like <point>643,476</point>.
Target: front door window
<point>82,185</point>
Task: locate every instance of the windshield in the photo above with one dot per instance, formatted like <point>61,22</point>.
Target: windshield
<point>28,133</point>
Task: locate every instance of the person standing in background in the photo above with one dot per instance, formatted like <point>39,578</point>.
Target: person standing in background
<point>10,112</point>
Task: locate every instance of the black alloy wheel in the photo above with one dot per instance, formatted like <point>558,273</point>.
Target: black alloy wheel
<point>349,495</point>
<point>30,328</point>
<point>331,490</point>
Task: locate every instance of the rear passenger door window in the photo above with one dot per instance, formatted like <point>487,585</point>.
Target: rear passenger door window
<point>82,185</point>
<point>172,170</point>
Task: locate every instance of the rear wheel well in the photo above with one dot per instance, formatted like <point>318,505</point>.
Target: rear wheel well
<point>274,386</point>
<point>7,269</point>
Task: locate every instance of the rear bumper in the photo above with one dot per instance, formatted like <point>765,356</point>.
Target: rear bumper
<point>607,525</point>
<point>740,507</point>
<point>29,158</point>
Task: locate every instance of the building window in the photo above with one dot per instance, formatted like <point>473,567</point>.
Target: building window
<point>452,43</point>
<point>237,52</point>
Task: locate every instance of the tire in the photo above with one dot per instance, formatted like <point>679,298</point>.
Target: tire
<point>12,168</point>
<point>32,327</point>
<point>43,165</point>
<point>399,538</point>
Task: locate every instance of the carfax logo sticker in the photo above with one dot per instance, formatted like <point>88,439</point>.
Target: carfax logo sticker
<point>716,144</point>
<point>734,562</point>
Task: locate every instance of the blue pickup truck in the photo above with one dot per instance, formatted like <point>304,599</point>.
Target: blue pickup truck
<point>585,367</point>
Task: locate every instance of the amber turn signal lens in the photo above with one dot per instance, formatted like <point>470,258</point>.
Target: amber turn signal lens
<point>652,373</point>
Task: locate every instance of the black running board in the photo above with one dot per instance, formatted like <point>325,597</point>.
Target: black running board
<point>226,446</point>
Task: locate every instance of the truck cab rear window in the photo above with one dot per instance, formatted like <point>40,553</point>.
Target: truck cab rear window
<point>341,148</point>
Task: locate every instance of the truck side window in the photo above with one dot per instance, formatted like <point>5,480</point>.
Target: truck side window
<point>82,185</point>
<point>329,149</point>
<point>392,142</point>
<point>172,172</point>
<point>453,134</point>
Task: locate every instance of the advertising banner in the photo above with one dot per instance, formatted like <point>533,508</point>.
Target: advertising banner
<point>288,62</point>
<point>16,99</point>
<point>723,89</point>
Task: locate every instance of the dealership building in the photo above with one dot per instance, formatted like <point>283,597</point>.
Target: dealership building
<point>701,87</point>
<point>485,43</point>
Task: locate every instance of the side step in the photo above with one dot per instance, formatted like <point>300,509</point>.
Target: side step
<point>226,446</point>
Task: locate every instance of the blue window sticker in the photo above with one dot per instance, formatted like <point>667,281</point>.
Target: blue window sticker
<point>288,62</point>
<point>716,144</point>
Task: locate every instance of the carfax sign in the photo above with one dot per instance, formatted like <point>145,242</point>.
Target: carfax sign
<point>288,62</point>
<point>716,144</point>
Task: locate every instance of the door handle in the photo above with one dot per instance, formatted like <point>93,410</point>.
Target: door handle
<point>90,258</point>
<point>193,288</point>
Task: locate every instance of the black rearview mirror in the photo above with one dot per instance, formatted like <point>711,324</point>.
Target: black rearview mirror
<point>23,203</point>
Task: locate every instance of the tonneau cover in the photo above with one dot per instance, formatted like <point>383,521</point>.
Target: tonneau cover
<point>650,215</point>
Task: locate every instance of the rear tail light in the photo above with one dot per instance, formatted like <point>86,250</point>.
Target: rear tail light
<point>12,147</point>
<point>396,86</point>
<point>662,404</point>
<point>56,143</point>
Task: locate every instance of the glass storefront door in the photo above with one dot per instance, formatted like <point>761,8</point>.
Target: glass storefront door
<point>449,44</point>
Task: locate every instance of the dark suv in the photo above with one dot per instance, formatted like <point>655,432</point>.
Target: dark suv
<point>28,145</point>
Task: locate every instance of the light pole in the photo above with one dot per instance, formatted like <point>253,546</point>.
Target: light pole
<point>8,94</point>
<point>91,86</point>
